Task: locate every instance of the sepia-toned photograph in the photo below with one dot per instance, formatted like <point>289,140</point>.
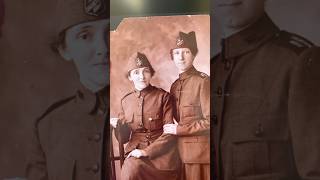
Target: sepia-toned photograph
<point>160,98</point>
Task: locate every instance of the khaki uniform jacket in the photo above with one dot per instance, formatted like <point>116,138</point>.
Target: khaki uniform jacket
<point>266,105</point>
<point>191,92</point>
<point>142,118</point>
<point>68,142</point>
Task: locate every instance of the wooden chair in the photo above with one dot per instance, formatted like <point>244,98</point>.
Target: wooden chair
<point>114,158</point>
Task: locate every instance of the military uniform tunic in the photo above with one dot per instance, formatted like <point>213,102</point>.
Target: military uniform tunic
<point>191,92</point>
<point>142,118</point>
<point>69,141</point>
<point>266,105</point>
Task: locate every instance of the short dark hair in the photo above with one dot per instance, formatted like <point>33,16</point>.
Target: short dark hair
<point>59,42</point>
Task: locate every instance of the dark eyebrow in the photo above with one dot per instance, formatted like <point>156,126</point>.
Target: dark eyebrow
<point>86,27</point>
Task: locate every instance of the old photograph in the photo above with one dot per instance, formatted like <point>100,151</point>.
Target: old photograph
<point>160,97</point>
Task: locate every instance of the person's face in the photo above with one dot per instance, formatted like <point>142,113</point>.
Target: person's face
<point>140,77</point>
<point>183,58</point>
<point>237,14</point>
<point>86,45</point>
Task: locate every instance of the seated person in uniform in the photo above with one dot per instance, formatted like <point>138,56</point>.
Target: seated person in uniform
<point>150,153</point>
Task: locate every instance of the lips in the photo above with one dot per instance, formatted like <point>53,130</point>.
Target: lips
<point>181,63</point>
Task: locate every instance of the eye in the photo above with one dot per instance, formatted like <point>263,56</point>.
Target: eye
<point>187,52</point>
<point>176,52</point>
<point>84,35</point>
<point>147,70</point>
<point>135,72</point>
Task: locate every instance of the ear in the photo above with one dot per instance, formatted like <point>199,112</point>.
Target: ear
<point>129,77</point>
<point>64,53</point>
<point>171,54</point>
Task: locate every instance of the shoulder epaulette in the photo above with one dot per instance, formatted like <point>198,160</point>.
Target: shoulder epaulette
<point>55,106</point>
<point>126,95</point>
<point>203,75</point>
<point>293,41</point>
<point>164,91</point>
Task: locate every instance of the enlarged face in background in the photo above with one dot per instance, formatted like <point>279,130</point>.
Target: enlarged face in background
<point>140,77</point>
<point>1,15</point>
<point>86,46</point>
<point>237,14</point>
<point>183,59</point>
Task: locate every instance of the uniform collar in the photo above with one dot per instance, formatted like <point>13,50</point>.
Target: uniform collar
<point>144,91</point>
<point>102,99</point>
<point>188,73</point>
<point>89,100</point>
<point>249,38</point>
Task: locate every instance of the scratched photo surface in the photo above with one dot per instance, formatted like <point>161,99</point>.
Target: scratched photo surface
<point>153,36</point>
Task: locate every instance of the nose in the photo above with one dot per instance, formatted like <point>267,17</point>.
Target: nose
<point>180,56</point>
<point>141,75</point>
<point>101,44</point>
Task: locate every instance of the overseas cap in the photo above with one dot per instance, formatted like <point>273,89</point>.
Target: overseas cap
<point>138,60</point>
<point>72,12</point>
<point>185,40</point>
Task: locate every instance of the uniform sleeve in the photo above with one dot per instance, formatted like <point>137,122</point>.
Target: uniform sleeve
<point>304,114</point>
<point>36,168</point>
<point>166,141</point>
<point>201,126</point>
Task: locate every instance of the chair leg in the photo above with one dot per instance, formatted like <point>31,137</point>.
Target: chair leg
<point>112,159</point>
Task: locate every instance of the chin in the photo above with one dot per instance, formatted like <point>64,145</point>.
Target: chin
<point>142,86</point>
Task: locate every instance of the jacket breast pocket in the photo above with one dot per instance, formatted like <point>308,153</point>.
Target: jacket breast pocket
<point>260,158</point>
<point>191,112</point>
<point>154,120</point>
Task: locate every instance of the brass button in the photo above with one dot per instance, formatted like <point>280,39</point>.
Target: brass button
<point>95,168</point>
<point>97,137</point>
<point>227,65</point>
<point>259,131</point>
<point>214,119</point>
<point>219,91</point>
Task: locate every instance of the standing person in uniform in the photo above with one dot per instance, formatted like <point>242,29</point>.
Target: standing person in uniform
<point>266,99</point>
<point>150,153</point>
<point>191,92</point>
<point>68,139</point>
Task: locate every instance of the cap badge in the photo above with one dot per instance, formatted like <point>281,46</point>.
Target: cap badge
<point>179,42</point>
<point>95,7</point>
<point>139,62</point>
